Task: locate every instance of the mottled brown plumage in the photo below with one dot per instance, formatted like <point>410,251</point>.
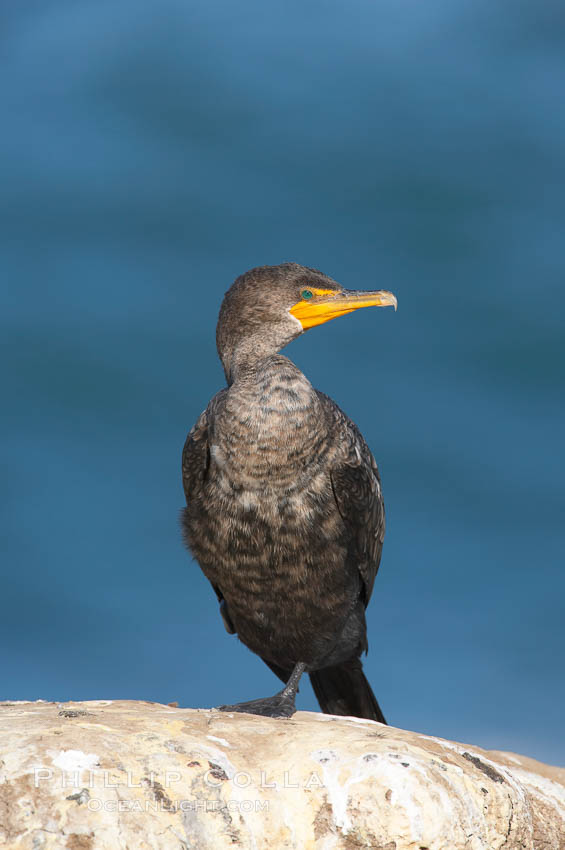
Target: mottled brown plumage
<point>284,507</point>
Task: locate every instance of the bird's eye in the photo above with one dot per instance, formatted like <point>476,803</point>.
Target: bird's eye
<point>307,294</point>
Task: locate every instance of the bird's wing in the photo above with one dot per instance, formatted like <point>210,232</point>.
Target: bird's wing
<point>195,465</point>
<point>196,451</point>
<point>196,458</point>
<point>357,490</point>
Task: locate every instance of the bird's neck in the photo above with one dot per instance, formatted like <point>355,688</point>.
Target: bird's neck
<point>243,362</point>
<point>269,381</point>
<point>244,357</point>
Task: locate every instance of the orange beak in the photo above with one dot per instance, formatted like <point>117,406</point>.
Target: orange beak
<point>324,307</point>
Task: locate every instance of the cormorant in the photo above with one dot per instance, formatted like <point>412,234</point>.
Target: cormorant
<point>285,513</point>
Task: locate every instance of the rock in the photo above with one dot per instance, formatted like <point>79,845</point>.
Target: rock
<point>139,775</point>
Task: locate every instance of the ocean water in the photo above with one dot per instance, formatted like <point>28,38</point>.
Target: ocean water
<point>150,153</point>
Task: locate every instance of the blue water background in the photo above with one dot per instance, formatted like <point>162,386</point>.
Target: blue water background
<point>152,152</point>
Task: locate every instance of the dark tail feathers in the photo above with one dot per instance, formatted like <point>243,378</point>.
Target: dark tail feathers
<point>344,690</point>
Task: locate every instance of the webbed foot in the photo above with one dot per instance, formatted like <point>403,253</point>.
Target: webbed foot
<point>278,705</point>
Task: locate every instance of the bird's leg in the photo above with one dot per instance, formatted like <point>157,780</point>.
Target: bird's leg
<point>279,705</point>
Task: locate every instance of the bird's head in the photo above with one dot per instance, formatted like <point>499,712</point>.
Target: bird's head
<point>269,306</point>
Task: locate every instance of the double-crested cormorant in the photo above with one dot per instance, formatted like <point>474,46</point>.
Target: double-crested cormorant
<point>284,507</point>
